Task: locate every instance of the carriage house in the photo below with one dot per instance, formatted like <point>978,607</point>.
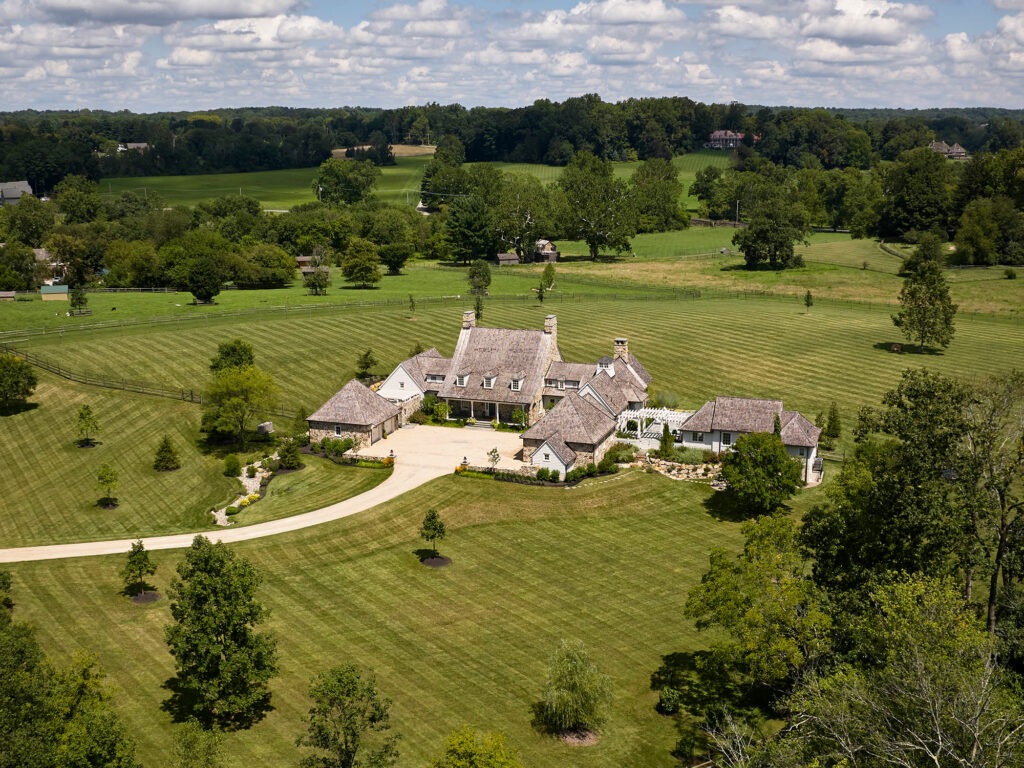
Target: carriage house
<point>354,412</point>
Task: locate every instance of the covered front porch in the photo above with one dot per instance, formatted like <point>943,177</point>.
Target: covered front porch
<point>482,410</point>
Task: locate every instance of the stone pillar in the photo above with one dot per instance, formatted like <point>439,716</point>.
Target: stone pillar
<point>469,319</point>
<point>621,349</point>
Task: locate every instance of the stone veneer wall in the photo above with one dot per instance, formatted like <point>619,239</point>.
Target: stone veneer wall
<point>407,408</point>
<point>319,430</point>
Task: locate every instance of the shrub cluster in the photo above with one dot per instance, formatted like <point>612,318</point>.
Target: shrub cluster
<point>232,465</point>
<point>550,475</point>
<point>250,471</point>
<point>289,456</point>
<point>230,511</point>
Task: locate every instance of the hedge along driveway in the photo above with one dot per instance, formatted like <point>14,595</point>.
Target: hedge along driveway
<point>424,453</point>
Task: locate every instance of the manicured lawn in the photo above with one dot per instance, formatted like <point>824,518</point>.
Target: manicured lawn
<point>608,563</point>
<point>48,481</point>
<point>758,347</point>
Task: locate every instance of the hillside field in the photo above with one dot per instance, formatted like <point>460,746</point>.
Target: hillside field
<point>399,183</point>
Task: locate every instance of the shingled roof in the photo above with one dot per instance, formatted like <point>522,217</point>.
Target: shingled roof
<point>428,361</point>
<point>574,419</point>
<point>562,451</point>
<point>504,353</point>
<point>357,405</point>
<point>744,414</point>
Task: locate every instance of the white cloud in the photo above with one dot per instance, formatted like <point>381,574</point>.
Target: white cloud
<point>734,21</point>
<point>155,11</point>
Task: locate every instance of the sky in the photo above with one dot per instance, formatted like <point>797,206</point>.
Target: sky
<point>151,55</point>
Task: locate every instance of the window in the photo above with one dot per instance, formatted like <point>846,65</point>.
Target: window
<point>488,382</point>
<point>727,438</point>
<point>803,452</point>
<point>337,429</point>
<point>460,381</point>
<point>561,384</point>
<point>401,385</point>
<point>434,377</point>
<point>698,437</point>
<point>572,385</point>
<point>517,384</point>
<point>547,457</point>
<point>550,382</point>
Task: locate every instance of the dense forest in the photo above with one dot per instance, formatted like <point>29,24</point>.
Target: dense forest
<point>43,147</point>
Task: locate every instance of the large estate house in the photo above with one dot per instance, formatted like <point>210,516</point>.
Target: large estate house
<point>571,411</point>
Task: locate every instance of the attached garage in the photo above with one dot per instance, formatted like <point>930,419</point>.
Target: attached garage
<point>356,412</point>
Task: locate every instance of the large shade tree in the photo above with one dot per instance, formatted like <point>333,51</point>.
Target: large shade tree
<point>594,206</point>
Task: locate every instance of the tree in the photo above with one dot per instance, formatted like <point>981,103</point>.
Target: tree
<point>319,279</point>
<point>540,292</point>
<point>88,425</point>
<point>223,664</point>
<point>79,299</point>
<point>547,277</point>
<point>78,199</point>
<point>760,473</point>
<point>137,567</point>
<point>341,180</point>
<point>361,263</point>
<point>776,223</point>
<point>594,206</point>
<point>763,598</point>
<point>394,255</point>
<point>916,194</point>
<point>450,150</point>
<point>928,251</point>
<point>667,446</point>
<point>518,416</point>
<point>808,300</point>
<point>470,229</point>
<point>834,426</point>
<point>166,459</point>
<point>364,363</point>
<point>236,396</point>
<point>203,278</point>
<point>478,308</point>
<point>236,353</point>
<point>927,310</point>
<point>522,214</point>
<point>349,722</point>
<point>288,455</point>
<point>106,481</point>
<point>466,748</point>
<point>924,688</point>
<point>656,191</point>
<point>412,304</point>
<point>17,382</point>
<point>433,529</point>
<point>196,747</point>
<point>19,270</point>
<point>576,694</point>
<point>479,276</point>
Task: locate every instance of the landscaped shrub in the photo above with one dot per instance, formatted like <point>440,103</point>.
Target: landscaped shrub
<point>314,446</point>
<point>289,456</point>
<point>250,471</point>
<point>607,466</point>
<point>231,511</point>
<point>253,497</point>
<point>689,455</point>
<point>419,417</point>
<point>553,475</point>
<point>1010,273</point>
<point>621,453</point>
<point>428,405</point>
<point>232,465</point>
<point>669,701</point>
<point>710,457</point>
<point>542,473</point>
<point>631,426</point>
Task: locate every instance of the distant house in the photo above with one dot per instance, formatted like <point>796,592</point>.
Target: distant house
<point>54,292</point>
<point>507,259</point>
<point>12,191</point>
<point>355,412</point>
<point>545,251</point>
<point>722,139</point>
<point>952,151</point>
<point>304,261</point>
<point>6,295</point>
<point>719,422</point>
<point>133,146</point>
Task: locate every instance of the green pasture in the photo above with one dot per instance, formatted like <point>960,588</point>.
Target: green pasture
<point>399,183</point>
<point>695,348</point>
<point>609,563</point>
<point>48,481</point>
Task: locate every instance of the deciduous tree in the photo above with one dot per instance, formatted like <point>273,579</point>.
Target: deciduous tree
<point>223,664</point>
<point>466,748</point>
<point>576,694</point>
<point>594,206</point>
<point>137,567</point>
<point>236,396</point>
<point>341,180</point>
<point>88,425</point>
<point>236,353</point>
<point>349,722</point>
<point>106,481</point>
<point>760,473</point>
<point>479,276</point>
<point>927,310</point>
<point>361,263</point>
<point>17,382</point>
<point>433,529</point>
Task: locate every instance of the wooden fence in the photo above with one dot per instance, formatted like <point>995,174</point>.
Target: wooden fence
<point>187,395</point>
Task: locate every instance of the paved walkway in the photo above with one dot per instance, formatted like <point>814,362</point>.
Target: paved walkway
<point>423,453</point>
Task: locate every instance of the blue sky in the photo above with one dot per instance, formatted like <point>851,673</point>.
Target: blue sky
<point>148,55</point>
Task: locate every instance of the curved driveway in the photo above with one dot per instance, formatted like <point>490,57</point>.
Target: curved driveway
<point>424,453</point>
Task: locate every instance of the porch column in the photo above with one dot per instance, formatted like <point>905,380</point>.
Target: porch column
<point>471,411</point>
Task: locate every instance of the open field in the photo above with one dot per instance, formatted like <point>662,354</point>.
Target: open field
<point>398,150</point>
<point>48,481</point>
<point>467,644</point>
<point>399,183</point>
<point>683,242</point>
<point>695,348</point>
<point>834,269</point>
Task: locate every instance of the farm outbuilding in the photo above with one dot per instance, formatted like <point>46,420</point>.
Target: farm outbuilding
<point>356,412</point>
<point>54,292</point>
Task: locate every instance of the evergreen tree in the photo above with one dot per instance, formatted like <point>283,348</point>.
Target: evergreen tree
<point>927,310</point>
<point>479,276</point>
<point>548,276</point>
<point>223,664</point>
<point>808,300</point>
<point>834,427</point>
<point>478,308</point>
<point>666,448</point>
<point>166,459</point>
<point>364,363</point>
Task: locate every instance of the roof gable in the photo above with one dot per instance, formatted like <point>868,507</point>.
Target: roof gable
<point>355,404</point>
<point>505,354</point>
<point>574,419</point>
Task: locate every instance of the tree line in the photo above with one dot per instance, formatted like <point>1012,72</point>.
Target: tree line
<point>44,147</point>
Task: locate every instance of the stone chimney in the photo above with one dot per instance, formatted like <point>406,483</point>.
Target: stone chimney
<point>621,349</point>
<point>551,327</point>
<point>469,319</point>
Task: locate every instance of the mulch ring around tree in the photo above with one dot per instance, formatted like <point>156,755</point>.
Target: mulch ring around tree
<point>145,598</point>
<point>107,504</point>
<point>436,562</point>
<point>582,738</point>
